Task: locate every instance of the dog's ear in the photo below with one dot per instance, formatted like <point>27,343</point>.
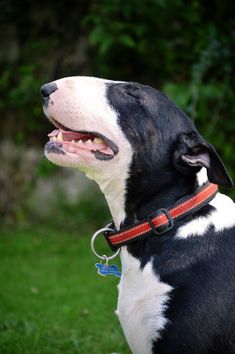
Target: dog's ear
<point>192,152</point>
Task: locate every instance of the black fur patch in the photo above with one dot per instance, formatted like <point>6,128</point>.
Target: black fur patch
<point>152,124</point>
<point>100,156</point>
<point>53,147</point>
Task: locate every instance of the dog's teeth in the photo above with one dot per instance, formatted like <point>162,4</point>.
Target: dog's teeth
<point>98,141</point>
<point>60,136</point>
<point>73,141</point>
<point>54,138</point>
<point>89,141</point>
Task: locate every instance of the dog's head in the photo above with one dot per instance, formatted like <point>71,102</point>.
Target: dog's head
<point>128,137</point>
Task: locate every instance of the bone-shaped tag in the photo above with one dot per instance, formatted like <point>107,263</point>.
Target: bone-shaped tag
<point>105,269</point>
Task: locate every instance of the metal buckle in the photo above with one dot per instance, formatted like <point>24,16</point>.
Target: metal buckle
<point>164,228</point>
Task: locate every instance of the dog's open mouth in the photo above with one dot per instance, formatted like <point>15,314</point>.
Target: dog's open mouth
<point>77,142</point>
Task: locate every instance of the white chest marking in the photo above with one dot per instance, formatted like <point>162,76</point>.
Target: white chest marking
<point>141,303</point>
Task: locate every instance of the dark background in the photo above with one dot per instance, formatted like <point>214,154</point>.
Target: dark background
<point>184,48</point>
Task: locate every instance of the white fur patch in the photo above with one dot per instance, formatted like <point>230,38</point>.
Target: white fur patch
<point>223,217</point>
<point>141,303</point>
<point>80,103</point>
<point>202,177</point>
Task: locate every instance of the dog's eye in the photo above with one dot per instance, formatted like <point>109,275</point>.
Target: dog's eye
<point>133,94</point>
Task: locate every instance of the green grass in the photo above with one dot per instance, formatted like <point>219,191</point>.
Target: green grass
<point>51,298</point>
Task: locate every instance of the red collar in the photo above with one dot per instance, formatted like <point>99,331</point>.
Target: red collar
<point>162,220</point>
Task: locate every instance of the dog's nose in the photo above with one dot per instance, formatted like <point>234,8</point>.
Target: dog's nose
<point>47,89</point>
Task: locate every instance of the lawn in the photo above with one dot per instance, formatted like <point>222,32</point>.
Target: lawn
<point>51,298</point>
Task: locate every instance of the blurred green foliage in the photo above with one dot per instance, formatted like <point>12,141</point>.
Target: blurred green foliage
<point>185,48</point>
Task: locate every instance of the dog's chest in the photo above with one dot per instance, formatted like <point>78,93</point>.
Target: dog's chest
<point>141,303</point>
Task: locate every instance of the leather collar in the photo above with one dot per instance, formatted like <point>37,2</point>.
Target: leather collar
<point>161,220</point>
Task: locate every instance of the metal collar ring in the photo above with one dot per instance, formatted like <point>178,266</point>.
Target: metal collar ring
<point>96,234</point>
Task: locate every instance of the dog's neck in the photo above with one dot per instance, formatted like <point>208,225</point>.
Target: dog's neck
<point>163,198</point>
<point>170,195</point>
<point>114,192</point>
<point>122,216</point>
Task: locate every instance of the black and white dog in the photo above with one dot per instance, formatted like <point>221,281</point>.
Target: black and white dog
<point>177,289</point>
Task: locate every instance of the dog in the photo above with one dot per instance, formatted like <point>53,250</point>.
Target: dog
<point>177,289</point>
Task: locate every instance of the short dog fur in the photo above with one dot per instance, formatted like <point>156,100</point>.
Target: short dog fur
<point>177,291</point>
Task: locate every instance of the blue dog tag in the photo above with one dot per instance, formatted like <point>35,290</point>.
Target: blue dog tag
<point>105,269</point>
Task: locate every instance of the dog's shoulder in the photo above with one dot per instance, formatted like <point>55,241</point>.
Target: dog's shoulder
<point>201,244</point>
<point>200,268</point>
